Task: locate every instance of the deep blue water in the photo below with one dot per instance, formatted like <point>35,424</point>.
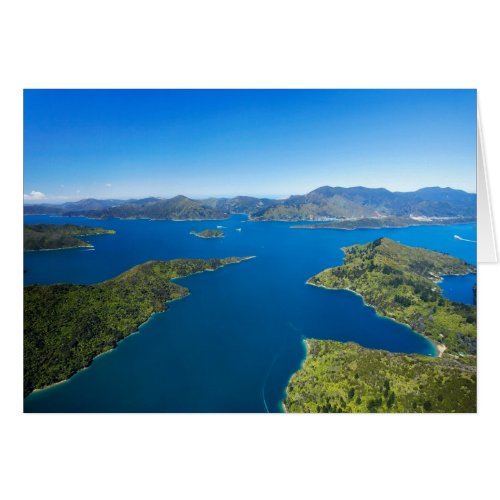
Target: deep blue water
<point>234,342</point>
<point>459,288</point>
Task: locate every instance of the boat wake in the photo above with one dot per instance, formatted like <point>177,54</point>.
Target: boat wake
<point>463,239</point>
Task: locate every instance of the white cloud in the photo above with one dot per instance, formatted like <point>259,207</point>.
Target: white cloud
<point>34,195</point>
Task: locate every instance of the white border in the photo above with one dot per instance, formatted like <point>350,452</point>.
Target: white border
<point>486,247</point>
<point>244,44</point>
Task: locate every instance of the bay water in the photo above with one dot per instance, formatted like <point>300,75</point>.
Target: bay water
<point>234,342</point>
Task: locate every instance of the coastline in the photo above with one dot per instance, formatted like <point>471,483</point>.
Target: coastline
<point>77,237</point>
<point>208,271</point>
<point>383,227</point>
<point>61,248</point>
<point>137,328</point>
<point>122,218</point>
<point>199,235</point>
<point>250,219</point>
<point>439,348</point>
<point>111,349</point>
<point>439,279</point>
<point>305,341</point>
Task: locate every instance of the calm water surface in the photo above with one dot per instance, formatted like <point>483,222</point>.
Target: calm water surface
<point>459,288</point>
<point>234,342</point>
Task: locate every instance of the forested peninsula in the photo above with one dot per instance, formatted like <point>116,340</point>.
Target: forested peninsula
<point>340,377</point>
<point>59,236</point>
<point>66,326</point>
<point>383,222</point>
<point>400,283</point>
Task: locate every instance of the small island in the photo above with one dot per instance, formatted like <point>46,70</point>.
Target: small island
<point>59,236</point>
<point>208,233</point>
<point>66,326</point>
<point>340,377</point>
<point>400,283</point>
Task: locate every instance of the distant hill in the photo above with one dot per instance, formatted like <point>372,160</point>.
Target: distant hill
<point>77,207</point>
<point>359,202</point>
<point>177,208</point>
<point>58,236</point>
<point>240,204</point>
<point>321,204</point>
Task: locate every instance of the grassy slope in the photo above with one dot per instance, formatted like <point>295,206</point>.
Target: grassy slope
<point>340,377</point>
<point>399,281</point>
<point>66,326</point>
<point>52,236</point>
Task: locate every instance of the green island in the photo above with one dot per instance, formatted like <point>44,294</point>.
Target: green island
<point>342,377</point>
<point>400,283</point>
<point>59,236</point>
<point>208,233</point>
<point>66,326</point>
<point>388,221</point>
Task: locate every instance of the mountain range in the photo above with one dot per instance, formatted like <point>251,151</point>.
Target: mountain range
<point>323,203</point>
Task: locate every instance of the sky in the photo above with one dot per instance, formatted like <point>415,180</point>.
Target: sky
<point>200,143</point>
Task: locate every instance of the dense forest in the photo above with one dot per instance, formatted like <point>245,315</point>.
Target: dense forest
<point>66,326</point>
<point>400,282</point>
<point>54,236</point>
<point>345,377</point>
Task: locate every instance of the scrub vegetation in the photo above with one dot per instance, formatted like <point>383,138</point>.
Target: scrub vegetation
<point>345,377</point>
<point>400,282</point>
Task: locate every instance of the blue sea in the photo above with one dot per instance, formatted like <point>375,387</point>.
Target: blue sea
<point>234,342</point>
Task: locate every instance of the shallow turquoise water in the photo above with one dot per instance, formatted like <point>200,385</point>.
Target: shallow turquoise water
<point>234,342</point>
